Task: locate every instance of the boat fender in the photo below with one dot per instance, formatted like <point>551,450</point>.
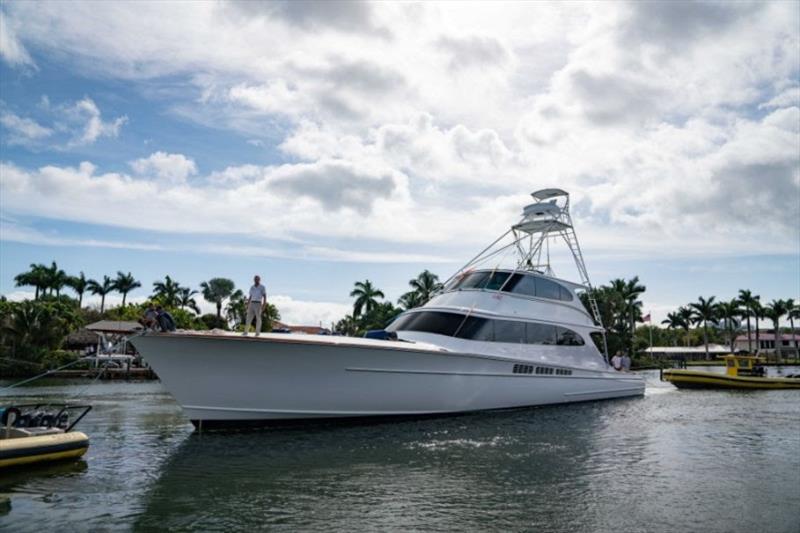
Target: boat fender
<point>7,413</point>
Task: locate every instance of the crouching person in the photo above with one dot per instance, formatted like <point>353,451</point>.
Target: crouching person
<point>165,320</point>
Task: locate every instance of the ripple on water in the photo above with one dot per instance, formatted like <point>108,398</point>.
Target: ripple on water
<point>564,468</point>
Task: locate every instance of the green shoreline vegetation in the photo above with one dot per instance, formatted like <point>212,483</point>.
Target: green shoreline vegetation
<point>32,332</point>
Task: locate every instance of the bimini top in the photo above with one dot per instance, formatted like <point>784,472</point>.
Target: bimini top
<point>546,194</point>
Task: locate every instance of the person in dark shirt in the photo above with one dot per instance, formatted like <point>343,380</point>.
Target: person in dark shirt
<point>165,320</point>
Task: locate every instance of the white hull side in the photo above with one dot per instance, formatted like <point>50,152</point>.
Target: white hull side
<point>278,378</point>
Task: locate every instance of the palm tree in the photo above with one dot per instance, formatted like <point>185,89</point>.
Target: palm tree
<point>36,277</point>
<point>425,285</point>
<point>347,326</point>
<point>56,278</point>
<point>366,297</point>
<point>410,300</point>
<point>125,283</point>
<point>79,284</point>
<point>729,312</point>
<point>629,291</point>
<point>185,299</point>
<point>748,302</point>
<point>674,321</point>
<point>794,312</point>
<point>704,311</point>
<point>758,313</point>
<point>686,315</point>
<point>102,289</point>
<point>774,311</point>
<point>216,290</point>
<point>166,291</point>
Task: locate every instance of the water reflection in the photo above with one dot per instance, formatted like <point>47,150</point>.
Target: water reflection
<point>671,461</point>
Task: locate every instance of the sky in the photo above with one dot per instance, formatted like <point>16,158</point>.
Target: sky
<point>320,143</point>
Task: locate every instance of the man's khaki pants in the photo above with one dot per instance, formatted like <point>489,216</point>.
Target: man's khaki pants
<point>253,310</point>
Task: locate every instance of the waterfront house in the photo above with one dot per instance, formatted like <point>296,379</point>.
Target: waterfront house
<point>766,342</point>
<point>688,353</point>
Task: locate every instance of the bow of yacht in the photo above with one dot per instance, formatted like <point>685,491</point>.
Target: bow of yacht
<point>495,337</point>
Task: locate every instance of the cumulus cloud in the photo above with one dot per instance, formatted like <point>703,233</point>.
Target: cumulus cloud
<point>94,127</point>
<point>652,114</point>
<point>173,168</point>
<point>21,130</point>
<point>11,49</point>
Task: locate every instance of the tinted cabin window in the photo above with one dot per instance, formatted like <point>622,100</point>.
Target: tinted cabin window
<point>565,294</point>
<point>548,289</point>
<point>526,286</point>
<point>484,329</point>
<point>441,323</point>
<point>476,280</point>
<point>509,331</point>
<point>540,333</point>
<point>496,281</point>
<point>567,337</point>
<point>477,329</point>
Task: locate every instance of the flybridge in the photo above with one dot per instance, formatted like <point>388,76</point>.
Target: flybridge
<point>526,245</point>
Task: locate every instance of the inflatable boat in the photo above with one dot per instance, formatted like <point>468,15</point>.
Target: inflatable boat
<point>741,372</point>
<point>37,433</point>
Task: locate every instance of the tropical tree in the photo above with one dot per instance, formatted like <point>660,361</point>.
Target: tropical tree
<point>774,311</point>
<point>729,312</point>
<point>758,313</point>
<point>704,311</point>
<point>629,292</point>
<point>79,284</point>
<point>35,277</point>
<point>366,296</point>
<point>216,290</point>
<point>686,315</point>
<point>185,299</point>
<point>347,326</point>
<point>794,313</point>
<point>166,292</point>
<point>674,321</point>
<point>55,278</point>
<point>124,284</point>
<point>425,285</point>
<point>410,300</point>
<point>102,289</point>
<point>748,301</point>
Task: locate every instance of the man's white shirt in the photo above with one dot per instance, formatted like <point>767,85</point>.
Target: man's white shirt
<point>257,293</point>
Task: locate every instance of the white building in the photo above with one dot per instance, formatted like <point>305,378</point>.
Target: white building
<point>688,352</point>
<point>766,342</point>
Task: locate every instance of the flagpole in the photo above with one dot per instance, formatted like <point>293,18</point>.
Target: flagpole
<point>650,315</point>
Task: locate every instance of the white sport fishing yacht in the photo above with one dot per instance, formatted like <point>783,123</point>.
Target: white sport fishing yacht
<point>495,337</point>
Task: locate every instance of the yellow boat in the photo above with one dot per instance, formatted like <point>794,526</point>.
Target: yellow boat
<point>741,372</point>
<point>37,433</point>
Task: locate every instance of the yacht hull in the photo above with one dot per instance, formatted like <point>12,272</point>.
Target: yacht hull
<point>276,378</point>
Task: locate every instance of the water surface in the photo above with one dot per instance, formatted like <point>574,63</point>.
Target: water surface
<point>671,461</point>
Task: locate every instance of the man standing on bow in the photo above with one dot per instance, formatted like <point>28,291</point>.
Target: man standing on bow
<point>256,303</point>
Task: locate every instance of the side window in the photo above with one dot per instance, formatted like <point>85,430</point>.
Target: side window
<point>477,329</point>
<point>441,323</point>
<point>597,337</point>
<point>567,337</point>
<point>509,331</point>
<point>540,333</point>
<point>525,286</point>
<point>474,280</point>
<point>565,294</point>
<point>496,281</point>
<point>547,289</point>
